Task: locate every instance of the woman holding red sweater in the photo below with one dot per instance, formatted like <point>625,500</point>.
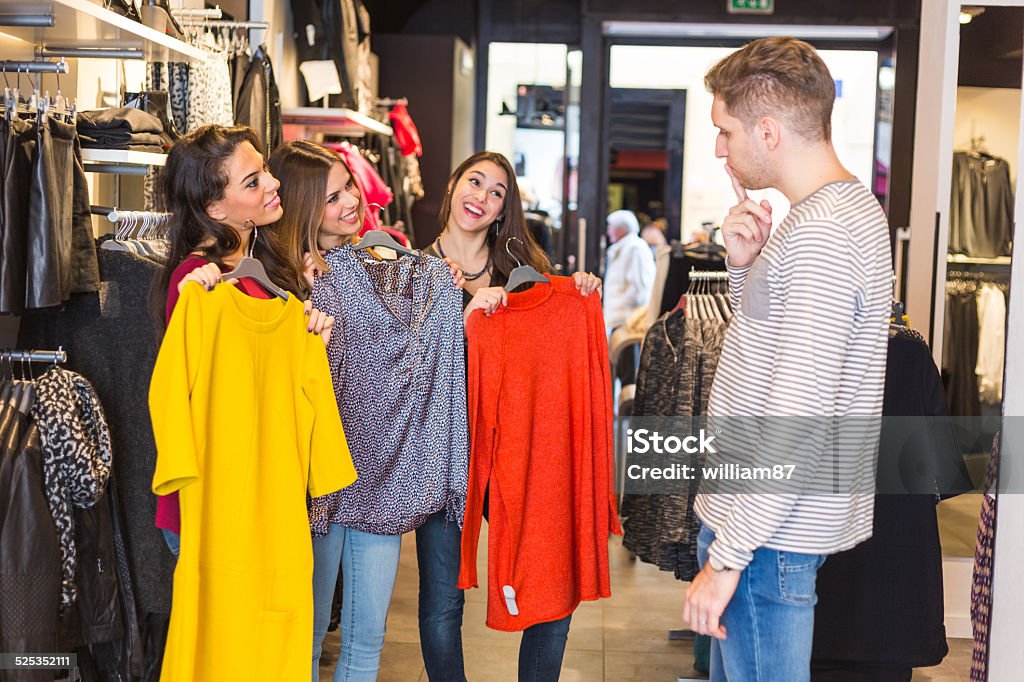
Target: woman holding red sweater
<point>481,211</point>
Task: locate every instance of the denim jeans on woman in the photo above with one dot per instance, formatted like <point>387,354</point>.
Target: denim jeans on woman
<point>438,544</point>
<point>770,620</point>
<point>438,547</point>
<point>369,564</point>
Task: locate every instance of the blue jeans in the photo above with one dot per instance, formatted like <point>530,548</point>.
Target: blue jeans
<point>173,541</point>
<point>438,547</point>
<point>369,564</point>
<point>770,620</point>
<point>541,650</point>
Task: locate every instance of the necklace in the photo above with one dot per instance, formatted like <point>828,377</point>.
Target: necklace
<point>468,276</point>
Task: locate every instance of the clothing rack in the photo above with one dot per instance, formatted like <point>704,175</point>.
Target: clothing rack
<point>61,51</point>
<point>59,66</point>
<point>214,23</point>
<point>978,276</point>
<point>116,216</point>
<point>187,14</point>
<point>58,356</point>
<point>390,102</point>
<point>967,283</point>
<point>708,275</point>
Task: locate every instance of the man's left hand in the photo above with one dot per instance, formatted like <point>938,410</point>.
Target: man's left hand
<point>706,599</point>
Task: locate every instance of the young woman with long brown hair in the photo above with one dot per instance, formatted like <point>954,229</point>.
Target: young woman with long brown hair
<point>220,194</point>
<point>324,210</point>
<point>482,212</point>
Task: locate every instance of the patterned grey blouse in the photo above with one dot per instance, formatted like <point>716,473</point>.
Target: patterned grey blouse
<point>399,371</point>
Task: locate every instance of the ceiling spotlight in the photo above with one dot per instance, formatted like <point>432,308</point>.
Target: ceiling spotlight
<point>968,13</point>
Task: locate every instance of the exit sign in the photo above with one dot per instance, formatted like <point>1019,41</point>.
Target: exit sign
<point>751,6</point>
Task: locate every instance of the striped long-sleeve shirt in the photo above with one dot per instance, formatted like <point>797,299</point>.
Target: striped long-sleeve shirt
<point>808,340</point>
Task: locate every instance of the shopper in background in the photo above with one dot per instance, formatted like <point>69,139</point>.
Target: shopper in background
<point>629,272</point>
<point>219,193</point>
<point>481,212</point>
<point>808,339</point>
<point>654,233</point>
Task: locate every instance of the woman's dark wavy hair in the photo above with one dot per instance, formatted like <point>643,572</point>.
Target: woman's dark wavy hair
<point>513,223</point>
<point>194,177</point>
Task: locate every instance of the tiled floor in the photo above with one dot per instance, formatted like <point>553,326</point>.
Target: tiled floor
<point>621,639</point>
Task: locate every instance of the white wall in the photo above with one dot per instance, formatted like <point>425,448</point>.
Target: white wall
<point>707,193</point>
<point>280,46</point>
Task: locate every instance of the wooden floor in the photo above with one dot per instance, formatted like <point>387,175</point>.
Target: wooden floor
<point>620,639</point>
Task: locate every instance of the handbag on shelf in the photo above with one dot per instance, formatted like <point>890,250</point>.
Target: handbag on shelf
<point>155,102</point>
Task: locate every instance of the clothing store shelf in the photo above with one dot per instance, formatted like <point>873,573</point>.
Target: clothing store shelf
<point>343,121</point>
<point>960,258</point>
<point>122,157</point>
<point>81,23</point>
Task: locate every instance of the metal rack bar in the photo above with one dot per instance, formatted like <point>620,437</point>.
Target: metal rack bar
<point>27,20</point>
<point>119,168</point>
<point>390,102</point>
<point>183,13</point>
<point>54,356</point>
<point>10,65</point>
<point>116,216</point>
<point>48,51</point>
<point>709,275</point>
<point>251,25</point>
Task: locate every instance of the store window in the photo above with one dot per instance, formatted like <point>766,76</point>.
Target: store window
<point>533,119</point>
<point>706,194</point>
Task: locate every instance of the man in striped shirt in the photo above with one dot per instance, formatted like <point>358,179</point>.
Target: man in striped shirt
<point>809,341</point>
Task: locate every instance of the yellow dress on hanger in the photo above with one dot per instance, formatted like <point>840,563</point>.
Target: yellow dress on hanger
<point>246,423</point>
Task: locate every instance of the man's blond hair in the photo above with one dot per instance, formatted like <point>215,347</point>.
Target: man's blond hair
<point>781,77</point>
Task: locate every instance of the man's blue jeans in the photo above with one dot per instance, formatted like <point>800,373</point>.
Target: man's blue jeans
<point>770,621</point>
<point>369,564</point>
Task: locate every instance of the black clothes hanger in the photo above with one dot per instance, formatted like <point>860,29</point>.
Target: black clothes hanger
<point>254,270</point>
<point>379,238</point>
<point>21,392</point>
<point>7,382</point>
<point>701,250</point>
<point>521,274</point>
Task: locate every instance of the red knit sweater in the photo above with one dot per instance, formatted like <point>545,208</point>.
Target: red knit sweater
<point>540,423</point>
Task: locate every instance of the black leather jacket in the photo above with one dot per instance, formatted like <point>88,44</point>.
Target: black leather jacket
<point>333,27</point>
<point>30,569</point>
<point>258,104</point>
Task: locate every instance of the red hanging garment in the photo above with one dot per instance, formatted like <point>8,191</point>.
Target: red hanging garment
<point>406,134</point>
<point>540,420</point>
